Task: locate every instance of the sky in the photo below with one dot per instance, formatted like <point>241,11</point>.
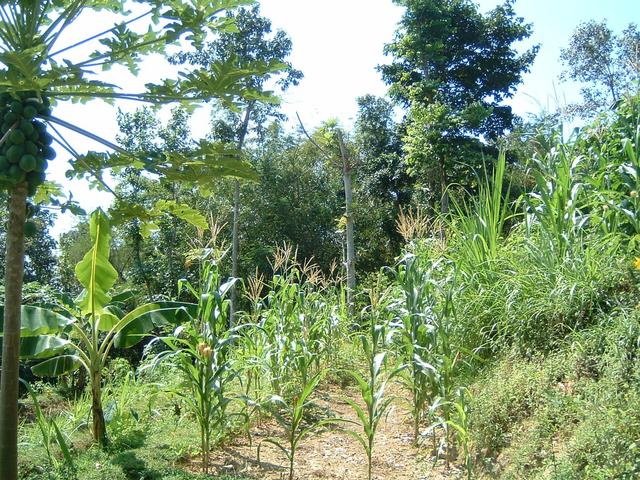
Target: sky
<point>337,44</point>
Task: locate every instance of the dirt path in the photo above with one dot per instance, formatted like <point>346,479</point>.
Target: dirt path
<point>332,454</point>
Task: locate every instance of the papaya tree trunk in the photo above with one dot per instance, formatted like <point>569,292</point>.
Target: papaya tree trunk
<point>99,426</point>
<point>235,244</point>
<point>14,273</point>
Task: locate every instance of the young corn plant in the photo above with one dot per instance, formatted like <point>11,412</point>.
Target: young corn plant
<point>200,349</point>
<point>445,360</point>
<point>286,349</point>
<point>290,415</point>
<point>416,329</point>
<point>449,404</point>
<point>373,386</point>
<point>459,421</point>
<point>297,323</point>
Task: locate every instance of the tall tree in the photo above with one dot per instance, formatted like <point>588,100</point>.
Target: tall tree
<point>608,65</point>
<point>330,142</point>
<point>156,254</point>
<point>297,201</point>
<point>453,67</point>
<point>35,69</point>
<point>378,139</point>
<point>383,183</point>
<point>251,42</point>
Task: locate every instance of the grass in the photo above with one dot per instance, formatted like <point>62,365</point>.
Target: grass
<point>574,414</point>
<point>531,307</point>
<point>158,446</point>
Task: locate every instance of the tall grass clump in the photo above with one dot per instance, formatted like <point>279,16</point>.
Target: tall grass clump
<point>478,226</point>
<point>549,273</point>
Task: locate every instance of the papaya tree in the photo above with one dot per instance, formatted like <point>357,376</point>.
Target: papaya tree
<point>36,71</point>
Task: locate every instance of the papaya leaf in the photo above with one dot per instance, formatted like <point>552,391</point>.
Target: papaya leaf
<point>182,211</point>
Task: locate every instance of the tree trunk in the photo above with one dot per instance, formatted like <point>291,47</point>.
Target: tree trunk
<point>99,425</point>
<point>14,272</point>
<point>444,193</point>
<point>235,247</point>
<point>137,247</point>
<point>348,201</point>
<point>81,383</point>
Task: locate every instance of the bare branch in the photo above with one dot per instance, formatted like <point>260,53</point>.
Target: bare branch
<point>304,130</point>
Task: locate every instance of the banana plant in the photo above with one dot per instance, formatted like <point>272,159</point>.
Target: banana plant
<point>81,334</point>
<point>36,68</point>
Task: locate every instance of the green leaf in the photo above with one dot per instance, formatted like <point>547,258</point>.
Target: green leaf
<point>46,192</point>
<point>42,346</point>
<point>182,211</point>
<point>359,438</point>
<point>107,320</point>
<point>124,296</point>
<point>95,273</point>
<point>62,443</point>
<point>38,321</point>
<point>138,323</point>
<point>57,366</point>
<point>25,62</point>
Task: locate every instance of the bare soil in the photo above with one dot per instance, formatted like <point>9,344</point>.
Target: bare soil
<point>332,453</point>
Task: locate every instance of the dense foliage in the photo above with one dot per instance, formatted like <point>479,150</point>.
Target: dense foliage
<point>495,322</point>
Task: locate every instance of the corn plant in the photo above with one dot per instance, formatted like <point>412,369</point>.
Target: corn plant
<point>298,326</point>
<point>200,349</point>
<point>459,421</point>
<point>448,363</point>
<point>555,206</point>
<point>290,415</point>
<point>284,332</point>
<point>618,186</point>
<point>372,388</point>
<point>434,362</point>
<point>416,329</point>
